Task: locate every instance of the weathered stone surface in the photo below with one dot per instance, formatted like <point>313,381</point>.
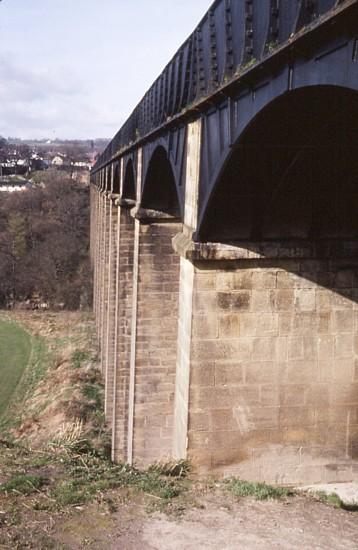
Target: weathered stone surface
<point>124,295</point>
<point>278,371</point>
<point>156,339</point>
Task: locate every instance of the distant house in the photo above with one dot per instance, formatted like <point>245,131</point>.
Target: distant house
<point>80,164</point>
<point>13,167</point>
<point>57,161</point>
<point>23,162</point>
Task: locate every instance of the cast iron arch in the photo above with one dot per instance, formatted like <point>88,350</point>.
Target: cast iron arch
<point>108,181</point>
<point>160,190</point>
<point>116,180</point>
<point>129,187</point>
<point>293,173</point>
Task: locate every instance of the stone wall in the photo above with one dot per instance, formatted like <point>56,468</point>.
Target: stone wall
<point>274,377</point>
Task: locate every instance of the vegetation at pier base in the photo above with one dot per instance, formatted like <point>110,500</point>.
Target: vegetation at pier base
<point>259,491</point>
<point>44,243</point>
<point>332,499</point>
<point>58,486</point>
<point>41,487</point>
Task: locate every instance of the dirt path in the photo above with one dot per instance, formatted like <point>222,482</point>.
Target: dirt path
<point>252,525</point>
<point>216,523</point>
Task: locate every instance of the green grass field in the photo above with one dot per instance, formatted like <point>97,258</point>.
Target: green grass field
<point>15,350</point>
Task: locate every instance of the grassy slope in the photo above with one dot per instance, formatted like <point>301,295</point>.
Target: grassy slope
<point>15,350</point>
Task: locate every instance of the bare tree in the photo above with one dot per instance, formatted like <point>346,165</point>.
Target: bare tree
<point>44,242</point>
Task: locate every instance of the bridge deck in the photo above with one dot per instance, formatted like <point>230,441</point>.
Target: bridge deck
<point>235,40</point>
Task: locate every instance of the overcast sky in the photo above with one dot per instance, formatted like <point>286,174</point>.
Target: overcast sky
<point>77,68</point>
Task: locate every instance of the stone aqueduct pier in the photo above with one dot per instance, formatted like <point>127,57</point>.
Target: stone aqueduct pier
<point>224,242</point>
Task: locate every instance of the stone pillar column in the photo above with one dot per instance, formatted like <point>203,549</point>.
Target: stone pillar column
<point>93,239</point>
<point>181,408</point>
<point>92,207</point>
<point>110,355</point>
<point>125,305</point>
<point>147,297</point>
<point>133,348</point>
<point>105,277</point>
<point>96,254</point>
<point>155,336</point>
<point>123,324</point>
<point>101,245</point>
<point>99,261</point>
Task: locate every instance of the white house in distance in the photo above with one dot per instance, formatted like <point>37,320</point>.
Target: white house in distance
<point>57,160</point>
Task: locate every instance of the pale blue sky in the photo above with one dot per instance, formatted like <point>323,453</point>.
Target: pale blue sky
<point>77,68</point>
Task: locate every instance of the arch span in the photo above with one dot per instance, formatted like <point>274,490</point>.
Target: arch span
<point>293,173</point>
<point>129,187</point>
<point>160,190</point>
<point>116,180</point>
<point>108,179</point>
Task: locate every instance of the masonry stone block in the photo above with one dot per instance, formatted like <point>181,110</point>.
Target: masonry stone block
<point>241,280</point>
<point>199,422</point>
<point>259,324</point>
<point>260,372</point>
<point>222,420</point>
<point>234,301</point>
<point>205,301</point>
<point>283,299</point>
<point>264,349</point>
<point>229,326</point>
<point>262,301</point>
<point>264,279</point>
<point>220,349</point>
<point>203,375</point>
<point>228,374</point>
<point>305,300</point>
<point>342,321</point>
<point>270,394</point>
<point>323,299</point>
<point>343,346</point>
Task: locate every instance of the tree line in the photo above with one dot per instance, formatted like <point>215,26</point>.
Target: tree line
<point>44,244</point>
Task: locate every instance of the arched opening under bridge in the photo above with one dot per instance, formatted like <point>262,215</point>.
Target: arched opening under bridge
<point>293,174</point>
<point>129,187</point>
<point>116,180</point>
<point>159,192</point>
